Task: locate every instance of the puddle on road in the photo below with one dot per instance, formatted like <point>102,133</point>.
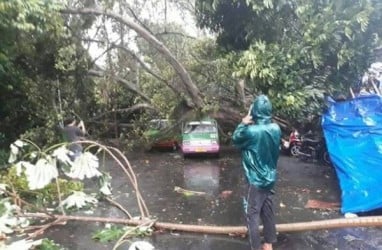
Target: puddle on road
<point>159,173</point>
<point>203,176</point>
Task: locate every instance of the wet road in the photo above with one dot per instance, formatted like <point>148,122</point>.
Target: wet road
<point>220,181</point>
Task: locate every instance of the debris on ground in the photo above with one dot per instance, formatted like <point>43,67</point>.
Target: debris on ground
<point>317,204</point>
<point>188,192</point>
<point>225,194</point>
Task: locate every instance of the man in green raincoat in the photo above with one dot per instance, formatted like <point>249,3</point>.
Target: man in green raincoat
<point>259,142</point>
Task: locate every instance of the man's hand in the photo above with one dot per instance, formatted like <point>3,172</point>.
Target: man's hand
<point>247,120</point>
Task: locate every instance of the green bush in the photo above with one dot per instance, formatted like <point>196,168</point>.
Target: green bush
<point>42,136</point>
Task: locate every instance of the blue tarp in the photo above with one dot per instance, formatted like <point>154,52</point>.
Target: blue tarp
<point>353,133</point>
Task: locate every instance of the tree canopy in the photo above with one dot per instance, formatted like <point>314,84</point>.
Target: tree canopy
<point>295,51</point>
<point>29,31</point>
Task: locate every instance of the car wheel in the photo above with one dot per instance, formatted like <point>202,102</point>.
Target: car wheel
<point>294,150</point>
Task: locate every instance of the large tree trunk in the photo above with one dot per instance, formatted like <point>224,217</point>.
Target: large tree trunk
<point>192,90</point>
<point>240,89</point>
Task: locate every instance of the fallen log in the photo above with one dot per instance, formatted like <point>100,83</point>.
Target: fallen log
<point>368,221</point>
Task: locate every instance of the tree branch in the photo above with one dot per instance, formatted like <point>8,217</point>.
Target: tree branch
<point>130,86</point>
<point>174,88</point>
<point>165,33</point>
<point>192,90</point>
<point>127,110</point>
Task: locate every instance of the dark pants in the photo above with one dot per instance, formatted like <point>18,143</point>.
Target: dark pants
<point>260,206</point>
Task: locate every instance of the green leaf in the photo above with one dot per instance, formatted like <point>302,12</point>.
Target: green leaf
<point>108,234</point>
<point>348,32</point>
<point>47,244</point>
<point>268,4</point>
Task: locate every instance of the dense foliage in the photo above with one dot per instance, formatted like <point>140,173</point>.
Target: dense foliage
<point>23,28</point>
<point>41,71</point>
<point>295,51</point>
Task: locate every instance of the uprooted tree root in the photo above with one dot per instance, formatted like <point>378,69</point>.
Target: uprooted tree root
<point>369,221</point>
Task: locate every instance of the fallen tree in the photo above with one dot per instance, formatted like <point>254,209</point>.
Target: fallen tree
<point>191,89</point>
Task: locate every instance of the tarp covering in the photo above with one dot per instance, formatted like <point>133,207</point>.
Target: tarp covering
<point>353,133</point>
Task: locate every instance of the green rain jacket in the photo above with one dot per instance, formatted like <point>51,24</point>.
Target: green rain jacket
<point>259,144</point>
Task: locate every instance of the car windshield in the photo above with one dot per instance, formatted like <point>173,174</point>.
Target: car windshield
<point>159,124</point>
<point>199,128</point>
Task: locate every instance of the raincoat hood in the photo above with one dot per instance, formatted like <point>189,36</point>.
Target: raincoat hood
<point>261,110</point>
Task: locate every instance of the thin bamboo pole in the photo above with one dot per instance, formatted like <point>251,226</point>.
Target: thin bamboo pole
<point>369,221</point>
